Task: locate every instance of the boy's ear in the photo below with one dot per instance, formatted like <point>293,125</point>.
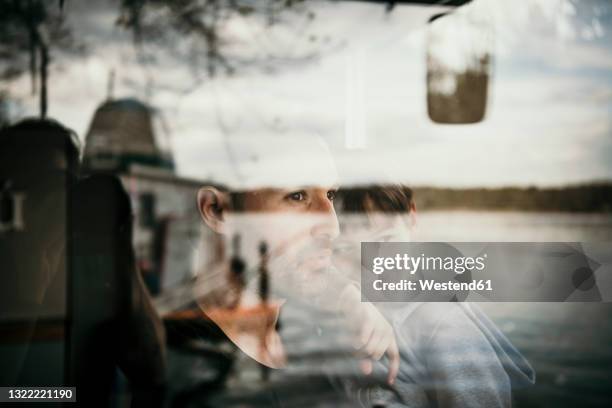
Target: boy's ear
<point>213,206</point>
<point>413,214</point>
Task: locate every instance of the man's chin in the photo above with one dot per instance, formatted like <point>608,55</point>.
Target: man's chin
<point>315,287</point>
<point>308,278</point>
<point>319,266</point>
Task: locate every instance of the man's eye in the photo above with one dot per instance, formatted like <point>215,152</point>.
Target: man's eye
<point>297,196</point>
<point>331,195</point>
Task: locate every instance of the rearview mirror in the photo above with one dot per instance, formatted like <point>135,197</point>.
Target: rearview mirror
<point>458,64</point>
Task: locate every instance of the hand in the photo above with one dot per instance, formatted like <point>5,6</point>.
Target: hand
<point>376,336</point>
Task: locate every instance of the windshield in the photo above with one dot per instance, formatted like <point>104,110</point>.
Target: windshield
<point>203,202</point>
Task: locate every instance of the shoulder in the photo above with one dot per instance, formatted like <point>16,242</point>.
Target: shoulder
<point>433,315</point>
<point>430,325</point>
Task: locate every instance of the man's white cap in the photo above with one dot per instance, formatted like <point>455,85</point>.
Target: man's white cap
<point>274,162</point>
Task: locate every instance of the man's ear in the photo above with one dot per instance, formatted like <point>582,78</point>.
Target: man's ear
<point>213,206</point>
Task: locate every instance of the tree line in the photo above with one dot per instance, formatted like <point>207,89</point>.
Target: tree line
<point>594,197</point>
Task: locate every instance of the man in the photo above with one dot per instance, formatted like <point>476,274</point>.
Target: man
<point>285,199</point>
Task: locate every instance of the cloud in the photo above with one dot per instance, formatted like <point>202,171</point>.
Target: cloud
<point>548,120</point>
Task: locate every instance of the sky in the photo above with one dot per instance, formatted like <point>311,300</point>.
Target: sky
<point>354,76</point>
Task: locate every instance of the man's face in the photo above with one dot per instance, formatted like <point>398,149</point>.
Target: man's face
<point>298,226</point>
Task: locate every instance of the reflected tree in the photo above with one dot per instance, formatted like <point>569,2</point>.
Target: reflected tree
<point>29,31</point>
<point>198,33</point>
<point>188,33</point>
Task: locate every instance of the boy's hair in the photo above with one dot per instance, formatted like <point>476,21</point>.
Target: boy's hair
<point>392,198</point>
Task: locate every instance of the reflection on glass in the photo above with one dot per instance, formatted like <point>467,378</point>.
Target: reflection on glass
<point>458,65</point>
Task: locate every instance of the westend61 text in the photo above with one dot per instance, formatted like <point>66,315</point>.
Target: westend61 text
<point>432,285</point>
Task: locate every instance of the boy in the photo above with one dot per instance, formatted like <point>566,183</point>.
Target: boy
<point>452,355</point>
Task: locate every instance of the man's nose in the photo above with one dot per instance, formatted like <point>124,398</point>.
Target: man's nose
<point>326,226</point>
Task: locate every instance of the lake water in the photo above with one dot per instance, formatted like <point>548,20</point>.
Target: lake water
<point>568,344</point>
<point>467,226</point>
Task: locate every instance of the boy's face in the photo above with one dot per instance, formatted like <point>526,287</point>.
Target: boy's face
<point>375,226</point>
